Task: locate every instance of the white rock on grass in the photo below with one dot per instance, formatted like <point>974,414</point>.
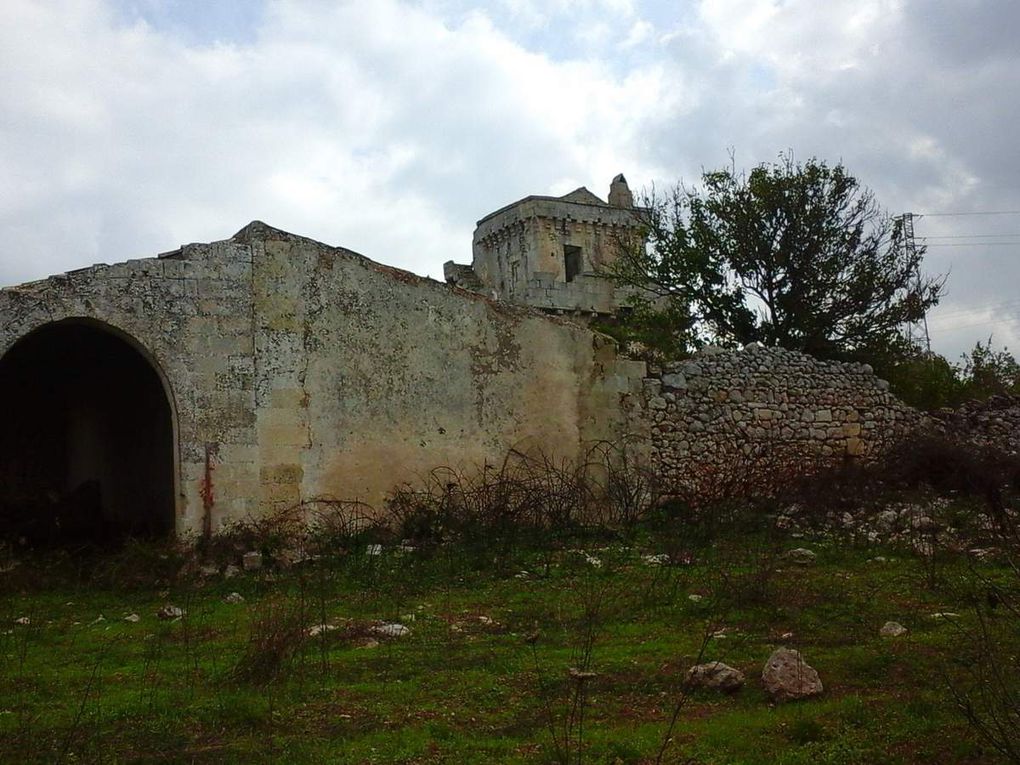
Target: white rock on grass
<point>892,629</point>
<point>320,629</point>
<point>391,629</point>
<point>801,556</point>
<point>133,618</point>
<point>662,559</point>
<point>695,597</point>
<point>169,613</point>
<point>252,561</point>
<point>787,677</point>
<point>715,676</point>
<point>234,598</point>
<point>23,621</point>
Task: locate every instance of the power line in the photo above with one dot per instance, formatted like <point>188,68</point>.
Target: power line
<point>974,244</point>
<point>969,236</point>
<point>973,324</point>
<point>939,314</point>
<point>960,214</point>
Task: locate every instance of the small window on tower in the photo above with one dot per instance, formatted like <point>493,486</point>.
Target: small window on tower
<point>571,261</point>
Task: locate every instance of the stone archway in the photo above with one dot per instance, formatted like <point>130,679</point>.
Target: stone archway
<point>87,438</point>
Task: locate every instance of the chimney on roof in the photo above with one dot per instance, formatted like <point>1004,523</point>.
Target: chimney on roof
<point>619,193</point>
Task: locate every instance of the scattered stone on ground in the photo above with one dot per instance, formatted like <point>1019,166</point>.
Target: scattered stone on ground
<point>695,598</point>
<point>252,561</point>
<point>24,621</point>
<point>98,620</point>
<point>715,676</point>
<point>169,613</point>
<point>391,629</point>
<point>662,559</point>
<point>234,598</point>
<point>292,556</point>
<point>892,629</point>
<point>886,521</point>
<point>132,618</point>
<point>944,615</point>
<point>320,629</point>
<point>231,571</point>
<point>208,569</point>
<point>373,550</point>
<point>801,556</point>
<point>787,677</point>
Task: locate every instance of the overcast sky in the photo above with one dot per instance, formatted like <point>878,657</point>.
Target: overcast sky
<point>129,127</point>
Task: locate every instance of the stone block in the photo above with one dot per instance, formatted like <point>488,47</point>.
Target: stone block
<point>286,473</point>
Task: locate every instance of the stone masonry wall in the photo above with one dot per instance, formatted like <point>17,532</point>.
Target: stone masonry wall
<point>295,370</point>
<point>709,411</point>
<point>190,314</point>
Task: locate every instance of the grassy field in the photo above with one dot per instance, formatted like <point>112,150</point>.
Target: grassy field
<point>298,671</point>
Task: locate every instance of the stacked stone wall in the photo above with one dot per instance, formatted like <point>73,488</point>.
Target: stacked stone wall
<point>992,423</point>
<point>721,407</point>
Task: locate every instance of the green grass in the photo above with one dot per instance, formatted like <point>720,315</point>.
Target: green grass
<point>468,685</point>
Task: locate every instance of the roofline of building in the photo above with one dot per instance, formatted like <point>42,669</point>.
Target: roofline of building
<point>543,198</point>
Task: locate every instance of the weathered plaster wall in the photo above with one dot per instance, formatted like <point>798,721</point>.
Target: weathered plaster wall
<point>707,412</point>
<point>298,370</point>
<point>366,376</point>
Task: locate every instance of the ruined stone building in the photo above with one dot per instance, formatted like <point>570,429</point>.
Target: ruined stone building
<point>177,392</point>
<point>547,252</point>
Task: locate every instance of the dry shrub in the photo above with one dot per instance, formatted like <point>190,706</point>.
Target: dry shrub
<point>749,472</point>
<point>527,498</point>
<point>955,466</point>
<point>321,526</point>
<point>277,633</point>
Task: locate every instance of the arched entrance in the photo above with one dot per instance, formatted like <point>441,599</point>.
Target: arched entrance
<point>86,442</point>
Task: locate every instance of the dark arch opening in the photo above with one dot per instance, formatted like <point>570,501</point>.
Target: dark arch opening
<point>86,443</point>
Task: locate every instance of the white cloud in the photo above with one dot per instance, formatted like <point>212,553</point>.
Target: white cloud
<point>390,127</point>
<point>373,125</point>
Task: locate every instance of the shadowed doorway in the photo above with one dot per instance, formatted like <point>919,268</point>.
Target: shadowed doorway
<point>86,443</point>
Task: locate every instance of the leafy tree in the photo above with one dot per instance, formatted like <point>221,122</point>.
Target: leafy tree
<point>924,380</point>
<point>987,372</point>
<point>790,254</point>
<point>929,381</point>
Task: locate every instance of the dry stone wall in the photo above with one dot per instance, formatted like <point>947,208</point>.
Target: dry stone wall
<point>992,423</point>
<point>712,410</point>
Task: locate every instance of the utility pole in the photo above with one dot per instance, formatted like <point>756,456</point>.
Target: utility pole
<point>910,250</point>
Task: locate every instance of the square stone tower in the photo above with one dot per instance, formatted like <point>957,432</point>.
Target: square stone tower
<point>547,252</point>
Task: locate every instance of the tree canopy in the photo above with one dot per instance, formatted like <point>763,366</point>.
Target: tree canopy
<point>789,254</point>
